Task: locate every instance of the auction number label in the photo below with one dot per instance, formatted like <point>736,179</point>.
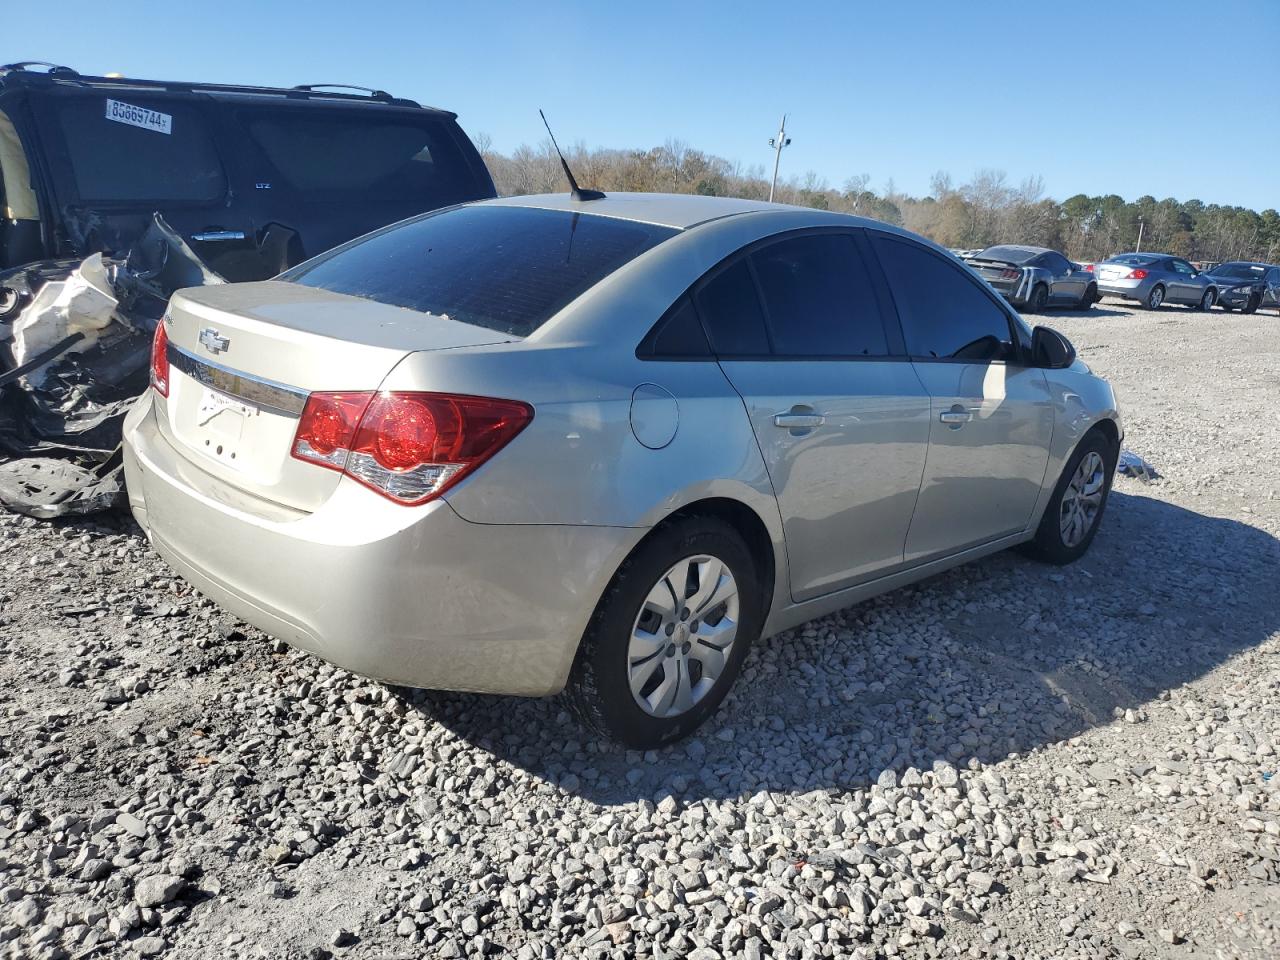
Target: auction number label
<point>152,120</point>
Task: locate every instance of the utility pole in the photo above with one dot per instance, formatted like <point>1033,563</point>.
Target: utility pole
<point>778,142</point>
<point>1141,224</point>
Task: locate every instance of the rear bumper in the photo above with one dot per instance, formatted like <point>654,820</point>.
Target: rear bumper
<point>1128,289</point>
<point>413,596</point>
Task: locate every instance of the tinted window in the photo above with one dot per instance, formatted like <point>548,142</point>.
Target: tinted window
<point>944,312</point>
<point>334,156</point>
<point>116,160</point>
<point>1007,254</point>
<point>678,335</point>
<point>818,298</point>
<point>1056,263</point>
<point>505,268</point>
<point>731,312</point>
<point>1133,259</point>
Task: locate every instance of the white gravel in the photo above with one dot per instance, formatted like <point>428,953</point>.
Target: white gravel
<point>1010,760</point>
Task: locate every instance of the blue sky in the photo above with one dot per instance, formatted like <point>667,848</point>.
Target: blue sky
<point>1094,97</point>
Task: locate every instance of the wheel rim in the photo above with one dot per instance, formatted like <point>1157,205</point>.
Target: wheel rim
<point>1207,302</point>
<point>683,635</point>
<point>1082,500</point>
<point>1156,298</point>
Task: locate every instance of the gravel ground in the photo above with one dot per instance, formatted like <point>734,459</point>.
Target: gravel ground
<point>1009,760</point>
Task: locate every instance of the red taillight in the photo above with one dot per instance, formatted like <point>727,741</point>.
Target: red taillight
<point>1010,274</point>
<point>1137,274</point>
<point>1089,267</point>
<point>160,360</point>
<point>410,447</point>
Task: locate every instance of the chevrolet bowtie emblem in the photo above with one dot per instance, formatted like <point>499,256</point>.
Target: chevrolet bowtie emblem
<point>213,341</point>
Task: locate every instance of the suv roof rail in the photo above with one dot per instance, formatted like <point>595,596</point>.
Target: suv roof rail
<point>314,87</point>
<point>54,68</point>
<point>325,91</point>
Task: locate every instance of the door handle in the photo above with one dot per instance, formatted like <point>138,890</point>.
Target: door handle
<point>955,417</point>
<point>801,421</point>
<point>212,235</point>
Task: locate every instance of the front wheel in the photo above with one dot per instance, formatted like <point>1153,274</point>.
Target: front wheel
<point>1074,511</point>
<point>669,635</point>
<point>1255,301</point>
<point>1155,297</point>
<point>1208,300</point>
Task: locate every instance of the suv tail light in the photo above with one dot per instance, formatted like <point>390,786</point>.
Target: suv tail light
<point>160,360</point>
<point>409,447</point>
<point>1138,274</point>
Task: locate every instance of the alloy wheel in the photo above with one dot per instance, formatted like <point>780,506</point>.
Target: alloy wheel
<point>682,637</point>
<point>1206,302</point>
<point>1155,298</point>
<point>1082,500</point>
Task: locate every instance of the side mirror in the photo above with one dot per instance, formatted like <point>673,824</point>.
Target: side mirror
<point>1050,350</point>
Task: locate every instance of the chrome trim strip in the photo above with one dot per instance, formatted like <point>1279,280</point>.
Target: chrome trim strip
<point>259,391</point>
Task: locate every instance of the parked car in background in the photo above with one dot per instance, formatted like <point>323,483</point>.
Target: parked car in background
<point>1154,279</point>
<point>1035,277</point>
<point>604,443</point>
<point>255,179</point>
<point>1246,286</point>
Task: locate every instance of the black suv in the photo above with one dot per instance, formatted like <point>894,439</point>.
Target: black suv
<point>255,179</point>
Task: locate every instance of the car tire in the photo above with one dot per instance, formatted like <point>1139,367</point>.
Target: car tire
<point>629,643</point>
<point>1058,541</point>
<point>1155,297</point>
<point>1039,299</point>
<point>1252,305</point>
<point>1209,298</point>
<point>1089,299</point>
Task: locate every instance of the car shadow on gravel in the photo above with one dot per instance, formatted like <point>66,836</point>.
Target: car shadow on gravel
<point>999,656</point>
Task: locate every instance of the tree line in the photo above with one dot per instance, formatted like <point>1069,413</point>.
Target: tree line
<point>985,210</point>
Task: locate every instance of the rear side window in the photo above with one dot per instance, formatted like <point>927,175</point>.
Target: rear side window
<point>819,299</point>
<point>945,313</point>
<point>503,268</point>
<point>328,156</point>
<point>677,336</point>
<point>731,311</point>
<point>139,150</point>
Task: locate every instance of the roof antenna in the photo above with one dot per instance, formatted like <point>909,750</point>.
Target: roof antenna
<point>577,192</point>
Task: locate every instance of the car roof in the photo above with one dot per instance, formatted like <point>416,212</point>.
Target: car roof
<point>678,210</point>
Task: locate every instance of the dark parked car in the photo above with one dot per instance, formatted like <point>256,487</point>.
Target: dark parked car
<point>254,179</point>
<point>1246,286</point>
<point>1034,278</point>
<point>116,192</point>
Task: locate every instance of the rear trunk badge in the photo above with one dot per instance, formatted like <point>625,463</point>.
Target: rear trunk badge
<point>213,341</point>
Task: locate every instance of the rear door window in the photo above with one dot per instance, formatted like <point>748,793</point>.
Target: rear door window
<point>730,309</point>
<point>503,268</point>
<point>129,148</point>
<point>819,299</point>
<point>946,313</point>
<point>331,156</point>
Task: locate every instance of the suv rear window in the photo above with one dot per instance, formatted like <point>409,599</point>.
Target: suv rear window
<point>323,157</point>
<point>503,268</point>
<point>114,160</point>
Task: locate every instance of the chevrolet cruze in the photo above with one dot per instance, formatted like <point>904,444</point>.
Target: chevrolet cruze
<point>543,442</point>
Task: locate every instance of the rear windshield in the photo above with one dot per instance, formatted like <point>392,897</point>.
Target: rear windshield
<point>329,156</point>
<point>1007,254</point>
<point>1132,259</point>
<point>504,268</point>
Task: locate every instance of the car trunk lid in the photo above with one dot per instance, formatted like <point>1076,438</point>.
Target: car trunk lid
<point>244,357</point>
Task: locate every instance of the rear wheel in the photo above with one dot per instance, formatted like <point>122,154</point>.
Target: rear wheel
<point>1155,297</point>
<point>1039,298</point>
<point>669,635</point>
<point>1071,519</point>
<point>1089,299</point>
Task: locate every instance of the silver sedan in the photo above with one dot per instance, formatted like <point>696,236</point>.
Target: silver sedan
<point>537,443</point>
<point>1154,279</point>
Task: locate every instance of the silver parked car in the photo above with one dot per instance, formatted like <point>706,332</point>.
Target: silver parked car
<point>1153,279</point>
<point>535,442</point>
<point>1035,277</point>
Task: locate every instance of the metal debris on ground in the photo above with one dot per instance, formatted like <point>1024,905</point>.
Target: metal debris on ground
<point>75,344</point>
<point>1132,465</point>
